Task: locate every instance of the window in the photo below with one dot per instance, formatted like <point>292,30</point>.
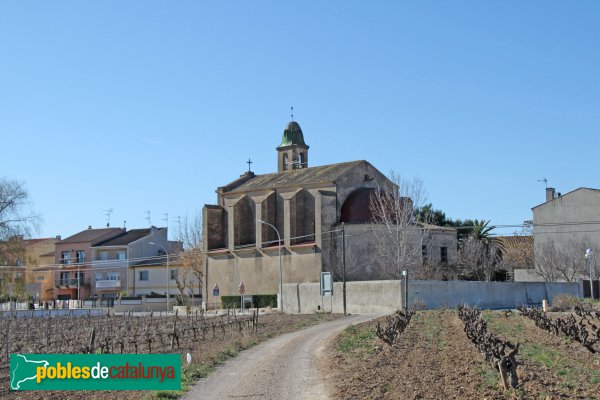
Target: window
<point>40,277</point>
<point>80,254</point>
<point>64,278</point>
<point>301,161</point>
<point>114,276</point>
<point>65,257</point>
<point>444,255</point>
<point>143,275</point>
<point>285,161</point>
<point>121,256</point>
<point>173,274</point>
<point>81,277</point>
<point>99,276</point>
<point>103,255</point>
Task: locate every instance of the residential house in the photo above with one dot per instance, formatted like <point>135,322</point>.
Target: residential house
<point>567,224</point>
<point>115,260</point>
<point>72,277</point>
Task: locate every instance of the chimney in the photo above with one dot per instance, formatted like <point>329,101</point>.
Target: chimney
<point>58,237</point>
<point>549,194</point>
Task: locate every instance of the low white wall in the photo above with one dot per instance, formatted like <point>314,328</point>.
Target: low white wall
<point>385,296</point>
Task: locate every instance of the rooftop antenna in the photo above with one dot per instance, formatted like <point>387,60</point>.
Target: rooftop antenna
<point>178,220</point>
<point>545,181</point>
<point>292,112</point>
<point>107,214</point>
<point>166,219</point>
<point>148,217</point>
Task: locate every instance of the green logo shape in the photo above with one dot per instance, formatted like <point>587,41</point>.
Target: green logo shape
<point>95,372</point>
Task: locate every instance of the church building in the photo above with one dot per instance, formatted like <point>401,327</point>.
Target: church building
<point>304,206</point>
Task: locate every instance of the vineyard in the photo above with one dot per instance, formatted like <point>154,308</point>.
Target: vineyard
<point>208,338</point>
<point>470,353</point>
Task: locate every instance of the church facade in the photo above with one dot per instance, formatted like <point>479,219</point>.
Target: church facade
<point>303,206</point>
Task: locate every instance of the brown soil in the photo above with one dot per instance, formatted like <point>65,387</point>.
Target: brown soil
<point>205,354</point>
<point>435,360</point>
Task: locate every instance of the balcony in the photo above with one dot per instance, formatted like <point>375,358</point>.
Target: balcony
<point>108,284</point>
<point>71,282</point>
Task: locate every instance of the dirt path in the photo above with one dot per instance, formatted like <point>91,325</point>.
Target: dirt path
<point>282,368</point>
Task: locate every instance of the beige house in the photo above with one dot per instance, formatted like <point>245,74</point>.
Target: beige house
<point>302,205</point>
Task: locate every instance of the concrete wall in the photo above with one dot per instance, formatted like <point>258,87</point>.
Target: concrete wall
<point>385,296</point>
<point>361,297</point>
<point>260,271</point>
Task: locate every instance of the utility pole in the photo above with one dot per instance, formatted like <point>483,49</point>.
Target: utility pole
<point>344,266</point>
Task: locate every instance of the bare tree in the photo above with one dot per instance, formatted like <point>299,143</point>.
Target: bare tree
<point>16,215</point>
<point>17,220</point>
<point>562,261</point>
<point>191,260</point>
<point>478,258</point>
<point>399,237</point>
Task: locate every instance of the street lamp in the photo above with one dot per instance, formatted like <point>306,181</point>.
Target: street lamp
<point>588,257</point>
<point>280,270</point>
<point>168,272</point>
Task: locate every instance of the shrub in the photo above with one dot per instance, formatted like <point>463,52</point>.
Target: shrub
<point>564,302</point>
<point>259,300</point>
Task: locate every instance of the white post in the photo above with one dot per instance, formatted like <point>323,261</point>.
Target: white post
<point>588,257</point>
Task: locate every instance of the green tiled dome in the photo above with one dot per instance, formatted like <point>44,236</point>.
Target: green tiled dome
<point>292,135</point>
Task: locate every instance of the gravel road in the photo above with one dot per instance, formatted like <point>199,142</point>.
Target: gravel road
<point>283,368</point>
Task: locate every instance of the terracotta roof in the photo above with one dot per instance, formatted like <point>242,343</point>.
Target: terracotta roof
<point>297,177</point>
<point>89,235</point>
<point>126,238</point>
<point>508,241</point>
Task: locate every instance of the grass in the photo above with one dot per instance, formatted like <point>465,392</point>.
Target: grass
<point>358,340</point>
<point>432,328</point>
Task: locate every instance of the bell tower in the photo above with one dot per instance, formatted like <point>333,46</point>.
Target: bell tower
<point>292,153</point>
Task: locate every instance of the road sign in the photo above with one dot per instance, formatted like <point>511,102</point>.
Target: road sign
<point>242,287</point>
<point>326,284</point>
<point>216,290</point>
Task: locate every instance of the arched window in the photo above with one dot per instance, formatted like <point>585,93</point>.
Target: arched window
<point>285,161</point>
<point>301,160</point>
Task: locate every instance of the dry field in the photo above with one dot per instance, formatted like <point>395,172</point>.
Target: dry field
<point>209,340</point>
<point>434,359</point>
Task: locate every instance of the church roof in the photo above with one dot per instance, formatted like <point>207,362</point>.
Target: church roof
<point>292,135</point>
<point>297,177</point>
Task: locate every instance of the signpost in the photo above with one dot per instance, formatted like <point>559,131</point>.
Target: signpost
<point>242,291</point>
<point>326,288</point>
<point>216,294</point>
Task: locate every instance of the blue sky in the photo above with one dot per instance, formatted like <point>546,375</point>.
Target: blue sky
<point>151,105</point>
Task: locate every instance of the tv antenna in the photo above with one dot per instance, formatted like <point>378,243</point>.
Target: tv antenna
<point>545,181</point>
<point>107,215</point>
<point>166,219</point>
<point>148,217</point>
